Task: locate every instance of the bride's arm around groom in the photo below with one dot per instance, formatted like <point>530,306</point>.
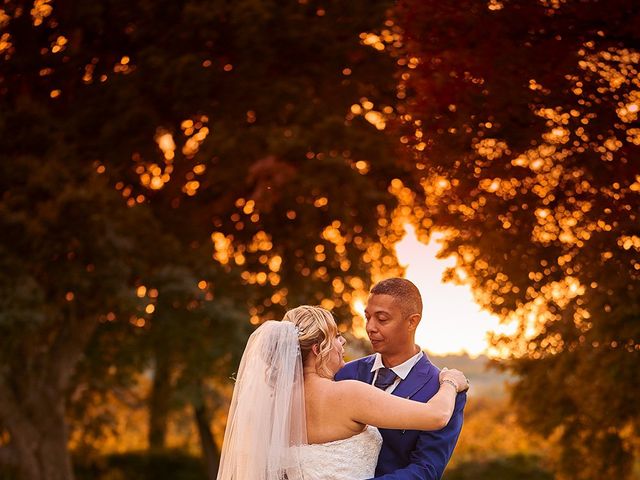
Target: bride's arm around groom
<point>413,454</point>
<point>401,369</point>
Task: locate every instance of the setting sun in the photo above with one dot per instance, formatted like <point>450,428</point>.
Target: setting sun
<point>451,321</point>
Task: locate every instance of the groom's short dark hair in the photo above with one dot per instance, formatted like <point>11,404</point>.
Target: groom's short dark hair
<point>404,291</point>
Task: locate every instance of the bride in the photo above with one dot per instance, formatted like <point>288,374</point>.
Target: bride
<point>290,420</point>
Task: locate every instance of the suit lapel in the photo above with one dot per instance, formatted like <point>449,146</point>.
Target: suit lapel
<point>364,369</point>
<point>419,375</point>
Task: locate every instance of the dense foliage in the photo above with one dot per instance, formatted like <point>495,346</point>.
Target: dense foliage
<point>522,117</point>
<point>169,171</point>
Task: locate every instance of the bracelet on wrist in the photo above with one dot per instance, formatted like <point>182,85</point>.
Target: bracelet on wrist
<point>450,382</point>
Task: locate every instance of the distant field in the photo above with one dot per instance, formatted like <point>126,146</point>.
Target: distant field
<point>485,380</point>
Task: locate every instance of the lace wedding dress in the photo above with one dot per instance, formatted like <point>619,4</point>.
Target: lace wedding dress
<point>353,458</point>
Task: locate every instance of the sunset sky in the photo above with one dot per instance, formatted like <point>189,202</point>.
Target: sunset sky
<point>451,322</point>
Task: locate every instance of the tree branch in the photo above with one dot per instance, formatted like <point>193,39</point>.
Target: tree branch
<point>8,456</point>
<point>8,403</point>
<point>68,349</point>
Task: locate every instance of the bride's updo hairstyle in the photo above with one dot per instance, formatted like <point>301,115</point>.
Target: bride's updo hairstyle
<point>315,326</point>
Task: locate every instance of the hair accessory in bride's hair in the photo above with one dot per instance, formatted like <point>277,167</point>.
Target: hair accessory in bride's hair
<point>299,333</point>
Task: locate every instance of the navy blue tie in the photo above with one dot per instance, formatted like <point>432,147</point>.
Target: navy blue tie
<point>385,377</point>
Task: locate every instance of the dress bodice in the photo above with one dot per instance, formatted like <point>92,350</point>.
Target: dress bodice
<point>352,458</point>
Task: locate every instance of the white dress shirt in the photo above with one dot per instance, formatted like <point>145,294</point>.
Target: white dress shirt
<point>401,370</point>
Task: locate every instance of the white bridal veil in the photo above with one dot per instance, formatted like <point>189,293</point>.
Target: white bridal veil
<point>266,419</point>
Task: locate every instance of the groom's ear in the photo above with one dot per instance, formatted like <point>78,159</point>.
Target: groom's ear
<point>414,320</point>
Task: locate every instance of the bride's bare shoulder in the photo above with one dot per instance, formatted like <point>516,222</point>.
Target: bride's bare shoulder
<point>353,397</point>
<point>341,392</point>
<point>346,389</point>
<point>347,384</point>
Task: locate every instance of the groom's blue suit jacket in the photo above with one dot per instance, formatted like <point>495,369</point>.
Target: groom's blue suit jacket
<point>412,454</point>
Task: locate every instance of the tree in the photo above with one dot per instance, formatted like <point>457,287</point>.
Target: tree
<point>138,140</point>
<point>65,268</point>
<point>522,118</point>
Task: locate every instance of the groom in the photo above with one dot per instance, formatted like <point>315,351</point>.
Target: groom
<point>399,366</point>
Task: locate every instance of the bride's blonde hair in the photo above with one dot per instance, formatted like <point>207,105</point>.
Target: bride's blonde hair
<point>316,326</point>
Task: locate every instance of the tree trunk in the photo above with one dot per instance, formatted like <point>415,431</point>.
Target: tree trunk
<point>53,459</point>
<point>208,445</point>
<point>32,402</point>
<point>159,403</point>
<point>39,435</point>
